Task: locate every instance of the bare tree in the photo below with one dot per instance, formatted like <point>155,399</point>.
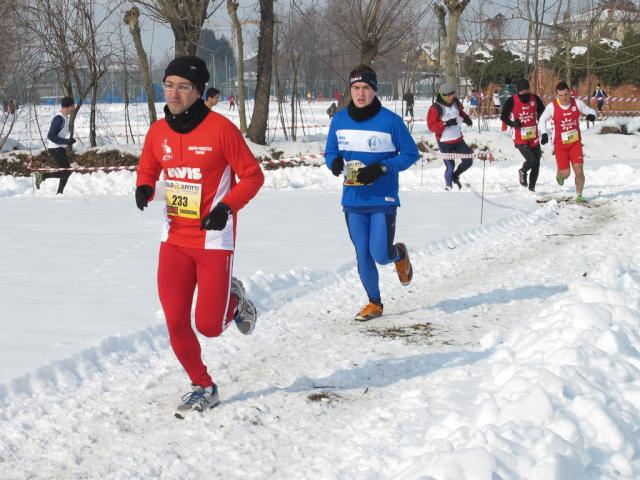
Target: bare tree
<point>258,127</point>
<point>185,17</point>
<point>566,25</point>
<point>232,9</point>
<point>93,39</point>
<point>131,19</point>
<point>12,69</point>
<point>373,27</point>
<point>66,35</point>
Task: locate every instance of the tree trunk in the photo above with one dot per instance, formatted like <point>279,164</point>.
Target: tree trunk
<point>232,9</point>
<point>567,60</point>
<point>258,127</point>
<point>131,20</point>
<point>92,114</point>
<point>455,9</point>
<point>450,51</point>
<point>294,95</point>
<point>527,51</point>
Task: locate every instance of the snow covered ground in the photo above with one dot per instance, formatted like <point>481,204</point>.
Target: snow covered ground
<point>514,354</point>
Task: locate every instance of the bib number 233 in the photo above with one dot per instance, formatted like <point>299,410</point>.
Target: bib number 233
<point>183,199</point>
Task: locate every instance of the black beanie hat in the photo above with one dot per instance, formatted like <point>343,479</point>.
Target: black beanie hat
<point>522,84</point>
<point>66,102</point>
<point>364,73</point>
<point>192,68</point>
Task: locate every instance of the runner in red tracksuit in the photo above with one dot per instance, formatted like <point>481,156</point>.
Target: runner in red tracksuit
<point>565,113</point>
<point>199,152</point>
<point>521,113</point>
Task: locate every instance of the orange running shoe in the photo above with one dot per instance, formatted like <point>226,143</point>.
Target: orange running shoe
<point>369,312</point>
<point>403,267</point>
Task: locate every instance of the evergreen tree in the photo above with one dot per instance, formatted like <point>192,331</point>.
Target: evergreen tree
<point>502,64</point>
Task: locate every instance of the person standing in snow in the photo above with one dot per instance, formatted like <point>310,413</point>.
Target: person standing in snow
<point>599,95</point>
<point>444,118</point>
<point>200,153</point>
<point>496,102</point>
<point>521,112</point>
<point>58,139</point>
<point>565,114</point>
<point>473,104</point>
<point>410,100</point>
<point>369,145</point>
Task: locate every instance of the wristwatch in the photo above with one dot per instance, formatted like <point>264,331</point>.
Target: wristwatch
<point>383,167</point>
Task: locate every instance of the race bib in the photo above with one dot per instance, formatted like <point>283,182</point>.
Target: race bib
<point>183,199</point>
<point>569,137</point>
<point>351,170</point>
<point>528,133</point>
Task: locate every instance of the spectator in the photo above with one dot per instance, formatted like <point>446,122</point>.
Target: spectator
<point>409,100</point>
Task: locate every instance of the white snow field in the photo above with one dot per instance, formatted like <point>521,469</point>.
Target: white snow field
<point>514,354</point>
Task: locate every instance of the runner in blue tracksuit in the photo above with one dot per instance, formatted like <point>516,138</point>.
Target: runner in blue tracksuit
<point>370,145</point>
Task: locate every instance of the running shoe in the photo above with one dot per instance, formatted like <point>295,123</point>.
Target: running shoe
<point>369,312</point>
<point>403,266</point>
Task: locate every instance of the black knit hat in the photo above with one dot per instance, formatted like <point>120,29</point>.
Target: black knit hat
<point>364,73</point>
<point>192,68</point>
<point>66,102</point>
<point>522,84</point>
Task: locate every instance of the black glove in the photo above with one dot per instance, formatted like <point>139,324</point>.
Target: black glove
<point>143,194</point>
<point>217,218</point>
<point>544,139</point>
<point>591,117</point>
<point>337,165</point>
<point>370,173</point>
<point>467,121</point>
<point>452,122</point>
<point>71,141</point>
<point>516,123</point>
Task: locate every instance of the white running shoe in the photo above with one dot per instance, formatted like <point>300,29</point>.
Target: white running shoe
<point>246,313</point>
<point>198,400</point>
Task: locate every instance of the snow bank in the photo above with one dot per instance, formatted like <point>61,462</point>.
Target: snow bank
<point>559,398</point>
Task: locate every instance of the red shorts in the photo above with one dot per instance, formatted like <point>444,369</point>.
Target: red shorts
<point>566,154</point>
<point>180,269</point>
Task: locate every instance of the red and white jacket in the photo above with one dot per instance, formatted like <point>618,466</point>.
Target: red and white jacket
<point>209,157</point>
<point>439,113</point>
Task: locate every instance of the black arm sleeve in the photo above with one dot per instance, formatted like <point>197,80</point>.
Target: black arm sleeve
<point>539,106</point>
<point>506,112</point>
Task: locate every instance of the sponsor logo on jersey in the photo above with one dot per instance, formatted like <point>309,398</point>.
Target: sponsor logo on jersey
<point>200,150</point>
<point>374,142</point>
<point>166,150</point>
<point>184,173</point>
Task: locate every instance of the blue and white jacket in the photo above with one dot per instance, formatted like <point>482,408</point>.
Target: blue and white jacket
<point>382,138</point>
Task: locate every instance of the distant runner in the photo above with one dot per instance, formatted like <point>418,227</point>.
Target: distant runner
<point>521,112</point>
<point>565,114</point>
<point>444,118</point>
